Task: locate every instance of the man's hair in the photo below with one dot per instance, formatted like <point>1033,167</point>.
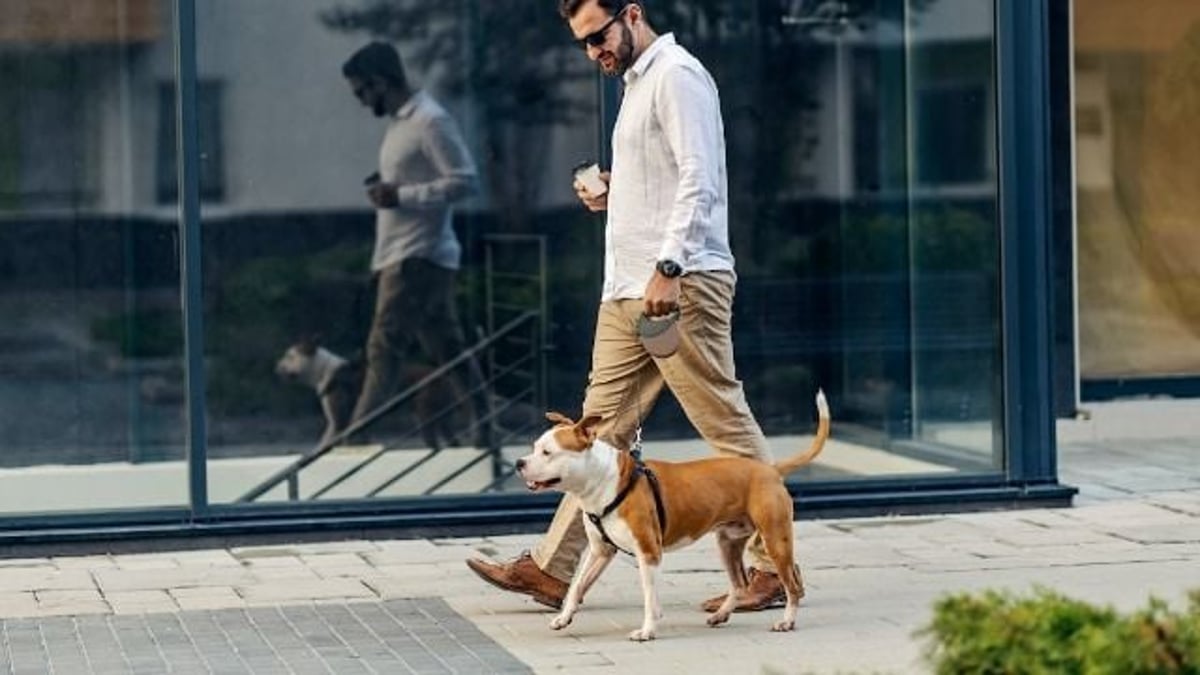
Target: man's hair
<point>568,8</point>
<point>377,59</point>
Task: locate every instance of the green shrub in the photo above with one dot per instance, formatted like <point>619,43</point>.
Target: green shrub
<point>1050,634</point>
<point>143,333</point>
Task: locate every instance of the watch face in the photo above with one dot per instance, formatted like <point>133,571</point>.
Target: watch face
<point>669,268</point>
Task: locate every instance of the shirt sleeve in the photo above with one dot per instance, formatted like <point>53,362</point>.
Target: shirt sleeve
<point>457,177</point>
<point>689,114</point>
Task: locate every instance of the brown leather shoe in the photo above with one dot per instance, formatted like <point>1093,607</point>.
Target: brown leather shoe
<point>764,592</point>
<point>522,575</point>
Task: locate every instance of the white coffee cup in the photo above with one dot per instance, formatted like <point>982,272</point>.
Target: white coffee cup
<point>589,177</point>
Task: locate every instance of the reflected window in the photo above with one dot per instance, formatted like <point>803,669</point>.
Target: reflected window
<point>91,375</point>
<point>44,159</point>
<point>1137,155</point>
<point>212,160</point>
<point>952,116</point>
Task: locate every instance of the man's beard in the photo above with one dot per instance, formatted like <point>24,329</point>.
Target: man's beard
<point>623,54</point>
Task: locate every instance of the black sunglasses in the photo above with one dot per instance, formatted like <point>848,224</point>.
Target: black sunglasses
<point>597,37</point>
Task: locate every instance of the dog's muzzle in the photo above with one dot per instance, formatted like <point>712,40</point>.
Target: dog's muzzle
<point>534,485</point>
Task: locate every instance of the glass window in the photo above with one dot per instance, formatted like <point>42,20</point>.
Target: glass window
<point>1137,99</point>
<point>864,221</point>
<point>479,131</point>
<point>208,116</point>
<point>861,143</point>
<point>398,279</point>
<point>91,389</point>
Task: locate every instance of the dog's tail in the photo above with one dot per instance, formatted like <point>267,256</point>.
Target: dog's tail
<point>786,466</point>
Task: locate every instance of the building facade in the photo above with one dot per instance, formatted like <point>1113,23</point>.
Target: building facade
<point>181,199</point>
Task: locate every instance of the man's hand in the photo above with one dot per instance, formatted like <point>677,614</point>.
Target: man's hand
<point>662,295</point>
<point>593,202</point>
<point>383,195</point>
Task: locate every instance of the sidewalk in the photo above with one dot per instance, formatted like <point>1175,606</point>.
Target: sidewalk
<point>412,606</point>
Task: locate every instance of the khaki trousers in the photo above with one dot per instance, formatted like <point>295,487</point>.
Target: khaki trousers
<point>625,381</point>
<point>415,302</point>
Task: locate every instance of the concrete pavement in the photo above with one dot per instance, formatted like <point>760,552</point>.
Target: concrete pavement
<point>412,606</point>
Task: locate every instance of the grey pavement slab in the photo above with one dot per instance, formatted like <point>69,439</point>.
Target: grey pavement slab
<point>412,606</point>
<point>421,635</point>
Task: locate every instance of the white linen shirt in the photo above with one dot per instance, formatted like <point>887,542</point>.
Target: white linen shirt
<point>424,154</point>
<point>668,196</point>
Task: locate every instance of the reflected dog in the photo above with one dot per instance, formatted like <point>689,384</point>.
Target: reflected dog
<point>337,382</point>
<point>646,509</point>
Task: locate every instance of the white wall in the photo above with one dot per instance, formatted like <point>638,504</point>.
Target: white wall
<point>294,139</point>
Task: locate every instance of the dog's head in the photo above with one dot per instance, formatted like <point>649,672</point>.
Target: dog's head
<point>297,362</point>
<point>560,455</point>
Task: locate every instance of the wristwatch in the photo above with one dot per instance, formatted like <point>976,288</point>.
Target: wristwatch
<point>669,268</point>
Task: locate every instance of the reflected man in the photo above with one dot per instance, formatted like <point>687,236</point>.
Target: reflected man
<point>424,168</point>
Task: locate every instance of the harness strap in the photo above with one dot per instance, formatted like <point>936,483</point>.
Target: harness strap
<point>639,468</point>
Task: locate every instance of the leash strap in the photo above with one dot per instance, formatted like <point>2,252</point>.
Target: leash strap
<point>639,468</point>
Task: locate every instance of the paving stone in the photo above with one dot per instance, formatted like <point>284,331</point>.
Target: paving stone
<point>339,639</point>
<point>44,577</point>
<point>85,562</point>
<point>87,601</point>
<point>22,603</point>
<point>145,561</point>
<point>179,577</point>
<point>206,597</point>
<point>137,602</point>
<point>275,592</point>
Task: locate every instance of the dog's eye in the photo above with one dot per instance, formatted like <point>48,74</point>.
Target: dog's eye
<point>545,452</point>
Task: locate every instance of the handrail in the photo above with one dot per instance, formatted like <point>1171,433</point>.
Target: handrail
<point>413,467</point>
<point>370,459</point>
<point>289,472</point>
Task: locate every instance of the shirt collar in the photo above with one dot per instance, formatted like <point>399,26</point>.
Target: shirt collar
<point>643,62</point>
<point>405,111</point>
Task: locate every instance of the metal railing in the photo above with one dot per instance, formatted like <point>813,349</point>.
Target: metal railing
<point>515,277</point>
<point>501,469</point>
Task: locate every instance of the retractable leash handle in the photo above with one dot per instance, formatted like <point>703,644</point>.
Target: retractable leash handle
<point>659,335</point>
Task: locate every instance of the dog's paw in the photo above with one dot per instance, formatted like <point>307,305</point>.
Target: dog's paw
<point>560,622</point>
<point>717,618</point>
<point>783,626</point>
<point>642,635</point>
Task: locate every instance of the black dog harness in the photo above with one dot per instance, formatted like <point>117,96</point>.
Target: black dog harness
<point>639,468</point>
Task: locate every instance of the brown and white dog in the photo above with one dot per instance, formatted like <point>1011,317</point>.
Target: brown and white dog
<point>731,496</point>
<point>338,381</point>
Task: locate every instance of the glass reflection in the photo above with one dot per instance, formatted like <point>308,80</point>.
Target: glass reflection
<point>317,275</point>
<point>1137,97</point>
<point>861,208</point>
<point>91,396</point>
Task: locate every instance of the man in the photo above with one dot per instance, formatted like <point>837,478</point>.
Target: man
<point>666,248</point>
<point>424,167</point>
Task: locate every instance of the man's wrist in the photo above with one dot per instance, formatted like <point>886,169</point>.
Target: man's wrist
<point>669,268</point>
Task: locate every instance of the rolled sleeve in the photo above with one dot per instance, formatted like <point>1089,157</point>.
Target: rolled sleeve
<point>457,177</point>
<point>689,114</point>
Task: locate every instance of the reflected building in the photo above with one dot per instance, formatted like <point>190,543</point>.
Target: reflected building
<point>879,245</point>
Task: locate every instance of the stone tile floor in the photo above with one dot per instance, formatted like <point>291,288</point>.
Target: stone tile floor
<point>385,606</point>
<point>393,636</point>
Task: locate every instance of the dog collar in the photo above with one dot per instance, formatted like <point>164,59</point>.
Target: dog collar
<point>639,468</point>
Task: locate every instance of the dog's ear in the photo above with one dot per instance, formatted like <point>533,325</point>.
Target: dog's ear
<point>559,418</point>
<point>587,427</point>
<point>308,344</point>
